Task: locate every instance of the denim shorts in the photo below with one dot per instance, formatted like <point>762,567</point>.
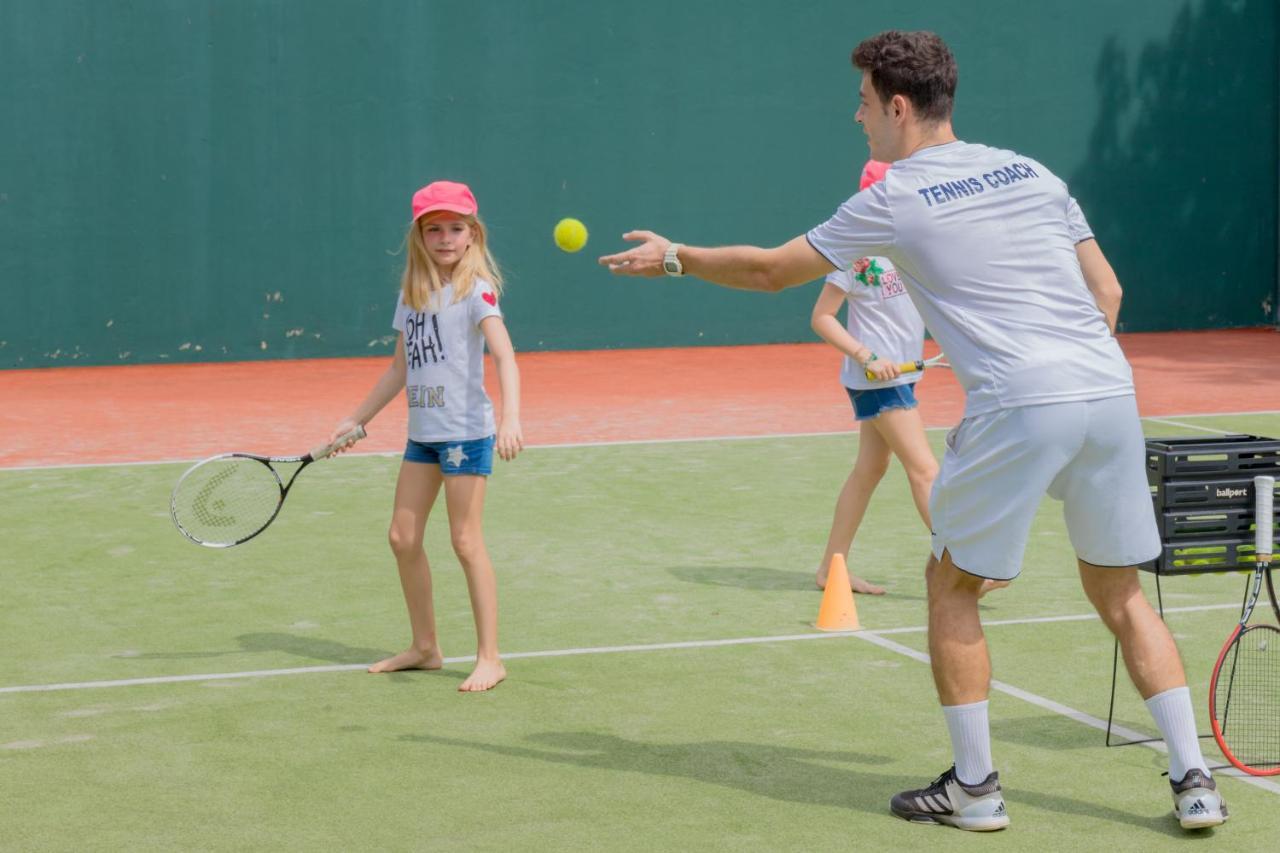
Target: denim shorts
<point>870,402</point>
<point>474,456</point>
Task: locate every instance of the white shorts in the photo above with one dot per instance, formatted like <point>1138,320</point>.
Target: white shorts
<point>1090,455</point>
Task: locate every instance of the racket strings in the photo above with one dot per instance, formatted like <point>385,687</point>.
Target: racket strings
<point>1247,698</point>
<point>227,500</point>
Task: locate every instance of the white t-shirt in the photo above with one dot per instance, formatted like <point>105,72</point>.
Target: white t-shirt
<point>984,240</point>
<point>444,354</point>
<point>881,316</point>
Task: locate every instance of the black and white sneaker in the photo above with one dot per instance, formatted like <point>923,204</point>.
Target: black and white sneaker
<point>1196,801</point>
<point>979,808</point>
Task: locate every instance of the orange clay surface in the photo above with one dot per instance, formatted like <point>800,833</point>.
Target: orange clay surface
<point>87,415</point>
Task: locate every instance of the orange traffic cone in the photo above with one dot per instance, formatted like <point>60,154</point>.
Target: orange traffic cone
<point>838,612</point>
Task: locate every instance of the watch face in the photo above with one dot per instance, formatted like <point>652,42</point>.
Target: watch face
<point>671,263</point>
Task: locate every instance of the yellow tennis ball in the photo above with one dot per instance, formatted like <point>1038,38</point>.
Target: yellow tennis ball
<point>570,235</point>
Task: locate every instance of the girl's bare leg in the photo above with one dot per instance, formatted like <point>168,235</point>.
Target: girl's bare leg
<point>868,469</point>
<point>464,495</point>
<point>903,431</point>
<point>416,492</point>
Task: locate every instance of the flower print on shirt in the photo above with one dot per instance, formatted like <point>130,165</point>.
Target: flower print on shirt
<point>868,271</point>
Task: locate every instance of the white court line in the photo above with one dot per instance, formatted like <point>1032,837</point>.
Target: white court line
<point>555,653</point>
<point>74,465</point>
<point>1190,426</point>
<point>873,637</point>
<point>395,453</point>
<point>625,443</point>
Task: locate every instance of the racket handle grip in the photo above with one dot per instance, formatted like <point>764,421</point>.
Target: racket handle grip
<point>1263,497</point>
<point>903,367</point>
<point>325,450</point>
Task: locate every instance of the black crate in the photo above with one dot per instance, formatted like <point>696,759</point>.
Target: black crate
<point>1203,556</point>
<point>1198,494</point>
<point>1205,457</point>
<point>1210,523</point>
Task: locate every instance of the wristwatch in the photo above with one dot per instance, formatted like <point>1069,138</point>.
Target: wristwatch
<point>670,260</point>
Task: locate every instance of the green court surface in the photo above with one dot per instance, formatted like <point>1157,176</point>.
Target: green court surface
<point>794,743</point>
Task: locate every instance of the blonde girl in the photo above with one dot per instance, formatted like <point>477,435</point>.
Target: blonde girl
<point>447,313</point>
<point>882,329</point>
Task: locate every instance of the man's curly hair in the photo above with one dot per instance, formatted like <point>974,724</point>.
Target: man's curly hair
<point>917,65</point>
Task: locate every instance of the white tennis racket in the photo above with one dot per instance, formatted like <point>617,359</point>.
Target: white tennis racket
<point>229,499</point>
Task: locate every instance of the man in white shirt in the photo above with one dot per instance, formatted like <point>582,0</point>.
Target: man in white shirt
<point>1001,263</point>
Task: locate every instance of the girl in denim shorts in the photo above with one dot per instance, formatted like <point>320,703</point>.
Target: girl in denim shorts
<point>447,313</point>
<point>882,329</point>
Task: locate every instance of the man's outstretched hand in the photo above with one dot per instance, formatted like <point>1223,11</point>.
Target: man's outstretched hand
<point>645,259</point>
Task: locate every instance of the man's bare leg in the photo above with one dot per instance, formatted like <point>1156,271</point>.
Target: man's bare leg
<point>1148,648</point>
<point>1150,656</point>
<point>957,647</point>
<point>967,796</point>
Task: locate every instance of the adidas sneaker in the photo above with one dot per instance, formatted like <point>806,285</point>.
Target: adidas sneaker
<point>947,800</point>
<point>1196,801</point>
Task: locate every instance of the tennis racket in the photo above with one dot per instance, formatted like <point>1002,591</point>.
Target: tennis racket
<point>938,360</point>
<point>229,499</point>
<point>1244,695</point>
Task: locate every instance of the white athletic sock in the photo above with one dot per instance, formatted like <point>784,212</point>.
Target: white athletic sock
<point>970,741</point>
<point>1176,720</point>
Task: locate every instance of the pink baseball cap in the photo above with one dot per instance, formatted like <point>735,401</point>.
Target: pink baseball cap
<point>444,195</point>
<point>872,173</point>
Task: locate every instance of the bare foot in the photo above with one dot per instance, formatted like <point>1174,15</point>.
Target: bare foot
<point>485,676</point>
<point>865,587</point>
<point>989,585</point>
<point>859,585</point>
<point>410,659</point>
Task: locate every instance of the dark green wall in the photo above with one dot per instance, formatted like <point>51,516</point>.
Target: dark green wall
<point>225,179</point>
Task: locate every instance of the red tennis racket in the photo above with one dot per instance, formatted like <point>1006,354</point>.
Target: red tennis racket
<point>1244,694</point>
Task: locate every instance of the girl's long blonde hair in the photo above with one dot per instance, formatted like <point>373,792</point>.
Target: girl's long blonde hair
<point>421,280</point>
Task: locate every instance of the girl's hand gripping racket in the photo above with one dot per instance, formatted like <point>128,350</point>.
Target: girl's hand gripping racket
<point>229,499</point>
<point>1244,694</point>
<point>938,360</point>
